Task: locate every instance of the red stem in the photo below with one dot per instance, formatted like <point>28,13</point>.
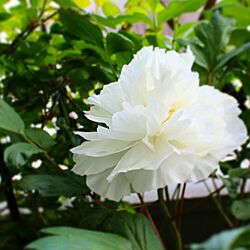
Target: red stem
<point>147,213</point>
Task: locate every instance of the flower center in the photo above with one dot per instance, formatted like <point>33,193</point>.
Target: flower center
<point>169,115</point>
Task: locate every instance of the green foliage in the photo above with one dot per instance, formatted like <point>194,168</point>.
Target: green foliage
<point>81,27</point>
<point>213,37</point>
<point>241,209</point>
<point>52,59</point>
<point>137,229</point>
<point>40,137</point>
<point>178,7</point>
<point>53,185</point>
<point>65,238</point>
<point>9,119</point>
<point>228,240</point>
<point>18,154</point>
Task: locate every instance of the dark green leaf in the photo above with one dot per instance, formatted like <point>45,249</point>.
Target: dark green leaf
<point>241,209</point>
<point>68,238</point>
<point>40,137</point>
<point>117,42</point>
<point>9,119</point>
<point>50,185</point>
<point>239,172</point>
<point>225,58</point>
<point>4,16</point>
<point>81,27</point>
<point>19,153</point>
<point>232,185</point>
<point>213,37</point>
<point>137,229</point>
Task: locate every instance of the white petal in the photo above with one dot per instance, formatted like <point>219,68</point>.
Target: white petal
<point>102,148</point>
<point>114,190</point>
<point>91,136</point>
<point>138,157</point>
<point>86,165</point>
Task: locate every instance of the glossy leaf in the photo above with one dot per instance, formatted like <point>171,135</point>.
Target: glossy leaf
<point>117,42</point>
<point>81,27</point>
<point>19,153</point>
<point>52,185</point>
<point>40,137</point>
<point>9,119</point>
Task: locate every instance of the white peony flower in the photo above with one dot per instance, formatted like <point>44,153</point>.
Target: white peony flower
<point>161,127</point>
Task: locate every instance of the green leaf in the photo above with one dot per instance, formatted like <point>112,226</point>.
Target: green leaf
<point>213,37</point>
<point>81,27</point>
<point>110,9</point>
<point>232,185</point>
<point>66,4</point>
<point>225,58</point>
<point>135,18</point>
<point>153,4</point>
<point>40,137</point>
<point>19,153</point>
<point>239,172</point>
<point>4,16</point>
<point>9,119</point>
<point>68,238</point>
<point>137,229</point>
<point>178,7</point>
<point>241,209</point>
<point>117,42</point>
<point>236,10</point>
<point>227,240</point>
<point>51,185</point>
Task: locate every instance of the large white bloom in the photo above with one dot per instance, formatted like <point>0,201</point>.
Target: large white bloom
<point>161,127</point>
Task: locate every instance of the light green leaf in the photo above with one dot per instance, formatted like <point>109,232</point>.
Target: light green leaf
<point>9,119</point>
<point>135,18</point>
<point>236,10</point>
<point>40,137</point>
<point>110,9</point>
<point>52,185</point>
<point>227,240</point>
<point>82,3</point>
<point>178,7</point>
<point>81,27</point>
<point>153,4</point>
<point>241,209</point>
<point>68,238</point>
<point>19,153</point>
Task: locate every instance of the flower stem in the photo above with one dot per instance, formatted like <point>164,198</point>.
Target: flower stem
<point>181,206</point>
<point>219,207</point>
<point>170,221</point>
<point>147,213</point>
